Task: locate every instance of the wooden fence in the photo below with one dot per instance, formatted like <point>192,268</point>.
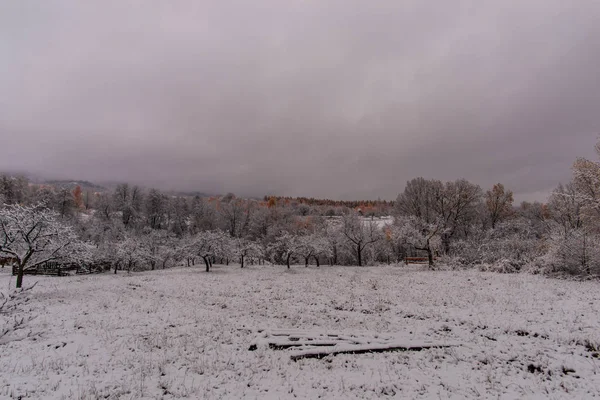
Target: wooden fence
<point>54,269</point>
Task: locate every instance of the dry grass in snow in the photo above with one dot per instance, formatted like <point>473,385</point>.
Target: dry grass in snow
<point>184,333</point>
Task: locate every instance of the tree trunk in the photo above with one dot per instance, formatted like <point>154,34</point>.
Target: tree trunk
<point>288,260</point>
<point>317,261</point>
<point>446,243</point>
<point>585,261</point>
<point>430,257</point>
<point>335,255</point>
<point>20,276</point>
<point>242,261</point>
<point>306,262</point>
<point>359,254</point>
<point>207,264</point>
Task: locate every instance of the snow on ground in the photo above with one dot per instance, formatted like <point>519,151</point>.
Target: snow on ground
<point>184,333</point>
<point>379,222</point>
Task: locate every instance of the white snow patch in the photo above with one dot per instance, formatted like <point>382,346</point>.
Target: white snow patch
<point>184,333</point>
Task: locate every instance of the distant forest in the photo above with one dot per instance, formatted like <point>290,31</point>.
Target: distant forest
<point>454,224</point>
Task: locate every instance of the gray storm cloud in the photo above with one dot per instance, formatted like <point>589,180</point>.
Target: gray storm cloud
<point>340,99</point>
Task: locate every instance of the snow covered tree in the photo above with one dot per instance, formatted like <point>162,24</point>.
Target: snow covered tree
<point>132,253</point>
<point>33,235</point>
<point>180,212</point>
<point>572,238</point>
<point>418,234</point>
<point>236,215</point>
<point>155,207</point>
<point>203,216</point>
<point>359,234</point>
<point>575,252</point>
<point>419,199</point>
<point>313,245</point>
<point>335,239</point>
<point>128,201</point>
<point>66,202</point>
<point>452,207</point>
<point>499,203</point>
<point>565,208</point>
<point>78,197</point>
<point>457,210</point>
<point>244,248</point>
<point>7,189</point>
<point>104,205</point>
<point>160,245</point>
<point>389,249</point>
<point>537,214</point>
<point>285,247</point>
<point>260,222</point>
<point>43,195</point>
<point>13,190</point>
<point>586,181</point>
<point>208,245</point>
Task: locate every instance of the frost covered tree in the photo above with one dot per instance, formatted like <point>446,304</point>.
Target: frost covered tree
<point>132,253</point>
<point>359,234</point>
<point>452,207</point>
<point>573,238</point>
<point>202,216</point>
<point>565,208</point>
<point>180,211</point>
<point>128,201</point>
<point>417,233</point>
<point>499,204</point>
<point>390,249</point>
<point>33,235</point>
<point>419,199</point>
<point>78,197</point>
<point>160,245</point>
<point>313,245</point>
<point>104,206</point>
<point>156,207</point>
<point>285,247</point>
<point>457,209</point>
<point>260,222</point>
<point>244,248</point>
<point>537,214</point>
<point>586,182</point>
<point>335,240</point>
<point>13,190</point>
<point>208,245</point>
<point>236,214</point>
<point>66,202</point>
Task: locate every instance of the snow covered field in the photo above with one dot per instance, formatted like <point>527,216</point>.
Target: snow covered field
<point>184,333</point>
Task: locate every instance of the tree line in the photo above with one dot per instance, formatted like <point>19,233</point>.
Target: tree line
<point>455,223</point>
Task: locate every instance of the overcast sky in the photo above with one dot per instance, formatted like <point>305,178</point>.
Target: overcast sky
<point>342,99</point>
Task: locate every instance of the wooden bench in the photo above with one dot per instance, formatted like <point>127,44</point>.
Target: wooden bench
<point>7,261</point>
<point>49,270</point>
<point>417,260</point>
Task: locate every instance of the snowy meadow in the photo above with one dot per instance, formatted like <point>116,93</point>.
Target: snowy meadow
<point>185,333</point>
